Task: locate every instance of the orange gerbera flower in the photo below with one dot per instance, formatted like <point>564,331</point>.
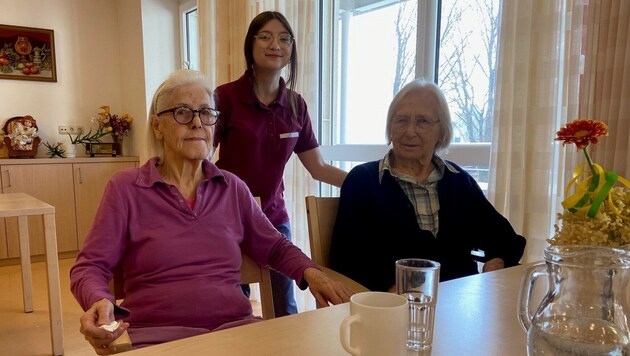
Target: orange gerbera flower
<point>582,132</point>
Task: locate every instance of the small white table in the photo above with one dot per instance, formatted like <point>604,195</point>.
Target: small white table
<point>21,205</point>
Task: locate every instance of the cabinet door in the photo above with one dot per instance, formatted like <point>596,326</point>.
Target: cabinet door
<point>90,180</point>
<point>3,241</point>
<point>51,183</point>
<point>3,233</point>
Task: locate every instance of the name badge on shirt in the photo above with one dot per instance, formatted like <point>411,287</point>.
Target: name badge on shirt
<point>290,135</point>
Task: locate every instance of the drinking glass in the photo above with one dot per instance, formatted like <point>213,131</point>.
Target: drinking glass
<point>417,280</point>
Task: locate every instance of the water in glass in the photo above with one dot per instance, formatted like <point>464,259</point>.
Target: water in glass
<point>421,320</point>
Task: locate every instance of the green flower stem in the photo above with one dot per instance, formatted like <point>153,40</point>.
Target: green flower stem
<point>589,160</point>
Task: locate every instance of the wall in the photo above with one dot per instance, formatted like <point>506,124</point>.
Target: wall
<point>103,57</point>
<point>162,53</point>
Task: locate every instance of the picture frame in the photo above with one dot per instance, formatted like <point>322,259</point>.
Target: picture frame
<point>103,149</point>
<point>27,53</point>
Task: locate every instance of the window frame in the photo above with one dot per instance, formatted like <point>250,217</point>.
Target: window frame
<point>427,42</point>
<point>185,8</point>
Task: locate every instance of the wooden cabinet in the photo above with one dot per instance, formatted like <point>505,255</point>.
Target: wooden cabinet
<point>74,186</point>
<point>89,182</point>
<point>51,183</point>
<point>3,241</point>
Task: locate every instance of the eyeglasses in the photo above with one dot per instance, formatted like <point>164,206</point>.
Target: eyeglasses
<point>184,115</point>
<point>400,123</point>
<point>284,39</point>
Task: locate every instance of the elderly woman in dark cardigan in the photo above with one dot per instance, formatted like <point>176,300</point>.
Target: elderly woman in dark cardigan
<point>414,204</point>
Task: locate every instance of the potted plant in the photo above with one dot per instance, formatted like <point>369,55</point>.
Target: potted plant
<point>108,124</point>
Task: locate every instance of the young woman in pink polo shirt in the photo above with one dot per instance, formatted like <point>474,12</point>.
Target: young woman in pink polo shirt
<point>263,122</point>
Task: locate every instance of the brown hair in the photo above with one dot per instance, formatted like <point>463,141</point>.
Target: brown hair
<point>254,27</point>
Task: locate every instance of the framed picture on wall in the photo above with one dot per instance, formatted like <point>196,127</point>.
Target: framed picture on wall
<point>27,53</point>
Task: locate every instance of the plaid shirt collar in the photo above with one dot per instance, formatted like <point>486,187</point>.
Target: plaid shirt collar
<point>384,164</point>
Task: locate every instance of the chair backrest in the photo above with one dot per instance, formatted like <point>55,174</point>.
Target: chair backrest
<point>251,272</point>
<point>321,213</point>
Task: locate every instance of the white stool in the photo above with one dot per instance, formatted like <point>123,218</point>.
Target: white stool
<point>22,205</point>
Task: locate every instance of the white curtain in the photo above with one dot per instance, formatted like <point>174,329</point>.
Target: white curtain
<point>605,93</point>
<point>223,25</point>
<point>537,91</point>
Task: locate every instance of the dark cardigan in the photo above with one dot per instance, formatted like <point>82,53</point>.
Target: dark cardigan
<point>376,225</point>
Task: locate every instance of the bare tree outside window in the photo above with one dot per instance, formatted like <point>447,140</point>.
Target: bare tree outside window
<point>406,26</point>
<point>467,63</point>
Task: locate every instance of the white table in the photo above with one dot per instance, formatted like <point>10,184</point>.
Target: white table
<point>476,315</point>
<point>22,205</point>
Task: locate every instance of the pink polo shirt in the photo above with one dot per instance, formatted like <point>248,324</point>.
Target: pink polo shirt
<point>257,140</point>
<point>181,263</point>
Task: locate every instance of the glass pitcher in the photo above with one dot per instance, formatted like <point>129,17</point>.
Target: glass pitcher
<point>586,307</point>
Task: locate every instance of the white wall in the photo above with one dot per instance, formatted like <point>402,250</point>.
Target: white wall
<point>107,53</point>
<point>162,53</point>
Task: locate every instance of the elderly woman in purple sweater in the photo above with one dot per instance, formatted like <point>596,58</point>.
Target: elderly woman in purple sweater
<point>178,225</point>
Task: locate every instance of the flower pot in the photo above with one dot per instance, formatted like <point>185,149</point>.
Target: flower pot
<point>71,150</point>
<point>103,149</point>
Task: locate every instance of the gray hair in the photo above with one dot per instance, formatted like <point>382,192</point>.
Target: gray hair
<point>175,80</point>
<point>444,114</point>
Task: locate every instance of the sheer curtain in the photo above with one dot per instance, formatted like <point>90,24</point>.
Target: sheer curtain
<point>606,87</point>
<point>537,90</point>
<point>223,25</point>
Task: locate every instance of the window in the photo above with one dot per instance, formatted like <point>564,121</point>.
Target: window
<point>378,46</point>
<point>190,34</point>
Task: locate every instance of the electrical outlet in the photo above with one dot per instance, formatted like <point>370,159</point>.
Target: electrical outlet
<point>70,129</point>
<point>76,129</point>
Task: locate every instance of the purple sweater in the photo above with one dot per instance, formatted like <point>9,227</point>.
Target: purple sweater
<point>182,265</point>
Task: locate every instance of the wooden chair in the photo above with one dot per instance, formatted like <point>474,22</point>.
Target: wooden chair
<point>321,213</point>
<point>251,272</point>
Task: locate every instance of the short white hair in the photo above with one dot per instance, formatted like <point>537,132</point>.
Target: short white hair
<point>444,114</point>
<point>174,81</point>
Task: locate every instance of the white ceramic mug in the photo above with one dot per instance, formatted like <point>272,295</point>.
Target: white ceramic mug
<point>377,324</point>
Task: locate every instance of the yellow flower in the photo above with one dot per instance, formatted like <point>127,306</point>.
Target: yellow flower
<point>606,228</point>
<point>108,124</point>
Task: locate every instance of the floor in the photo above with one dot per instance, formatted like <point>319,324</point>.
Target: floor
<point>29,333</point>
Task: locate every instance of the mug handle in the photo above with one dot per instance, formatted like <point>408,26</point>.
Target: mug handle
<point>344,333</point>
<point>534,272</point>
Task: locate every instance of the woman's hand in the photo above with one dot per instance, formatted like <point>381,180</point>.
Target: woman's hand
<point>493,265</point>
<point>101,313</point>
<point>326,290</point>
